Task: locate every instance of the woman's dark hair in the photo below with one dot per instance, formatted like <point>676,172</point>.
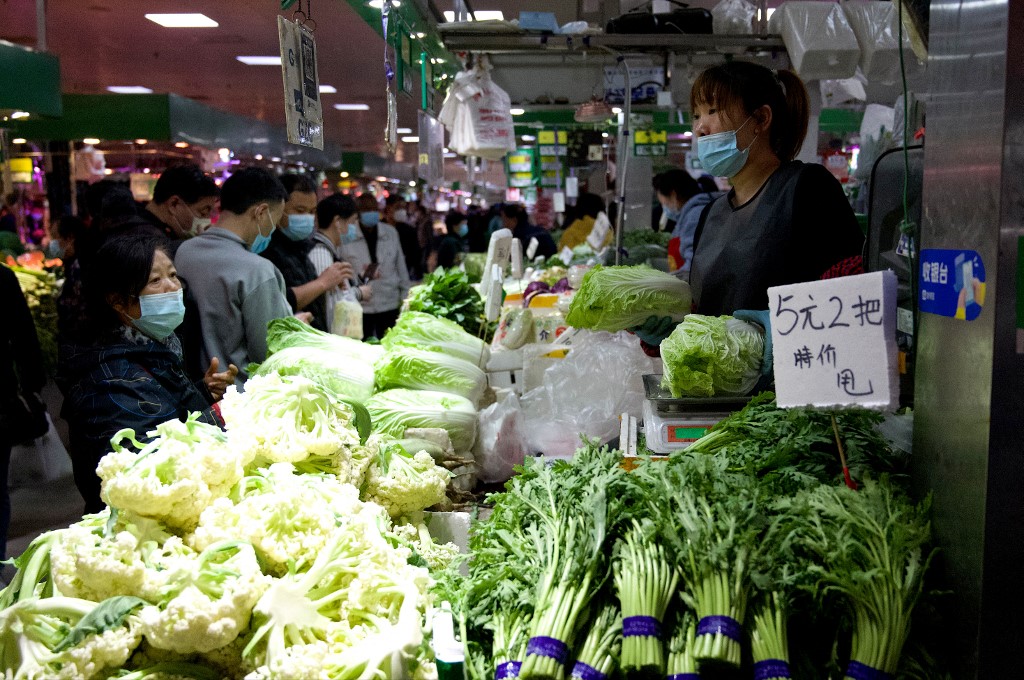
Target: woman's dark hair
<point>71,227</point>
<point>753,86</point>
<point>117,205</point>
<point>707,184</point>
<point>678,182</point>
<point>335,205</point>
<point>117,271</point>
<point>515,211</point>
<point>453,219</point>
<point>589,205</point>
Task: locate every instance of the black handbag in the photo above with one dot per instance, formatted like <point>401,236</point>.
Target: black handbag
<point>23,419</point>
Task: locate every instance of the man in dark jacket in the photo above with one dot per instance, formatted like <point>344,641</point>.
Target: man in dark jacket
<point>21,373</point>
<point>183,199</point>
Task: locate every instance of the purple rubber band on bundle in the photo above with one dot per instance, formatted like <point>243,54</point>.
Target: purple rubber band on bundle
<point>771,668</point>
<point>509,669</point>
<point>859,671</point>
<point>727,626</point>
<point>683,676</point>
<point>548,647</point>
<point>641,626</point>
<point>585,672</point>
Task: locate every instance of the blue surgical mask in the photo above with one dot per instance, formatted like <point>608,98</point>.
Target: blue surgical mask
<point>462,230</point>
<point>719,154</point>
<point>370,218</point>
<point>261,242</point>
<point>299,227</point>
<point>161,314</point>
<point>672,214</point>
<point>352,234</point>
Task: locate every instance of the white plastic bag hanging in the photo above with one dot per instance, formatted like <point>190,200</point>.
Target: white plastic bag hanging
<point>820,42</point>
<point>733,17</point>
<point>478,115</point>
<point>501,443</point>
<point>875,25</point>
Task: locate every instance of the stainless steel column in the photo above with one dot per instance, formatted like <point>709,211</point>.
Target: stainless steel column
<point>969,446</point>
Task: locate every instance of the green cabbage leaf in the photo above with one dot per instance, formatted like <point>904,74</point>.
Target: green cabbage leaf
<point>394,411</point>
<point>709,356</point>
<point>618,298</point>
<point>424,370</point>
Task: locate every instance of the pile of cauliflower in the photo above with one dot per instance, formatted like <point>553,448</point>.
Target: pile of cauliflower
<point>282,548</point>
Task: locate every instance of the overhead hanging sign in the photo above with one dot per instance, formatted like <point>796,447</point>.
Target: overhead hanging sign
<point>302,107</point>
<point>834,342</point>
<point>644,81</point>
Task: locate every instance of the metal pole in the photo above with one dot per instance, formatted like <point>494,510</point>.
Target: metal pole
<point>41,25</point>
<point>623,162</point>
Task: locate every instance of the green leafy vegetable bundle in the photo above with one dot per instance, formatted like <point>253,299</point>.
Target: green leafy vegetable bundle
<point>618,298</point>
<point>708,356</point>
<point>448,294</point>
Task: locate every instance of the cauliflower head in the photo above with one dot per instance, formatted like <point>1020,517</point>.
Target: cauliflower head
<point>404,483</point>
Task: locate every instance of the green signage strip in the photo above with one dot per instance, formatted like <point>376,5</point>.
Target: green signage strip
<point>29,80</point>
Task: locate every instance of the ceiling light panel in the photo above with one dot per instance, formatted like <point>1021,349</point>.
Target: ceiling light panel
<point>183,20</point>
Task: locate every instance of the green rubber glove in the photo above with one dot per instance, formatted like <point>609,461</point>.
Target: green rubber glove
<point>655,329</point>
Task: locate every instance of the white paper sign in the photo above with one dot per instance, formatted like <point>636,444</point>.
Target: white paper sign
<point>558,198</point>
<point>303,114</point>
<point>834,342</point>
<point>531,250</point>
<point>566,255</point>
<point>600,231</point>
<point>517,259</point>
<point>572,187</point>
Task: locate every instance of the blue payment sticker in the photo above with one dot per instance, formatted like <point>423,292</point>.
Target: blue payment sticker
<point>952,283</point>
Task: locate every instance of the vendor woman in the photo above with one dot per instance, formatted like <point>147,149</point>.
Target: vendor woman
<point>784,221</point>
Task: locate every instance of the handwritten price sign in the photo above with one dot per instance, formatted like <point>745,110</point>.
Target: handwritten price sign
<point>835,342</point>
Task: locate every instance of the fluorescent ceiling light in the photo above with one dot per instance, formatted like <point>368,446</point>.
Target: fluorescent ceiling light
<point>181,145</point>
<point>481,15</point>
<point>20,114</point>
<point>352,107</point>
<point>529,138</point>
<point>183,20</point>
<point>18,140</point>
<point>328,89</point>
<point>129,89</point>
<point>410,140</point>
<point>616,110</point>
<point>90,140</point>
<point>141,141</point>
<point>517,112</point>
<point>404,131</point>
<point>260,61</point>
<point>379,4</point>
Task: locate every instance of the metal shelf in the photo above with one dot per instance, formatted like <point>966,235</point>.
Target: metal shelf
<point>499,43</point>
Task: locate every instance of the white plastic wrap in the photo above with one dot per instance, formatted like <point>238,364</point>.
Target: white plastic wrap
<point>733,17</point>
<point>502,442</point>
<point>874,24</point>
<point>585,393</point>
<point>478,116</point>
<point>820,42</point>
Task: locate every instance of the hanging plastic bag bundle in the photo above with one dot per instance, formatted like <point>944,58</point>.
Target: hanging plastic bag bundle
<point>478,114</point>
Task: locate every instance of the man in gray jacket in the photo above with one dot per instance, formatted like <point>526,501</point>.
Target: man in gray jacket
<point>376,255</point>
<point>237,292</point>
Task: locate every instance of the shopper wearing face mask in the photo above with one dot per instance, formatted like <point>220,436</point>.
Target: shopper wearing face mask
<point>682,202</point>
<point>183,200</point>
<point>377,256</point>
<point>453,245</point>
<point>130,374</point>
<point>337,223</point>
<point>237,292</point>
<point>396,213</point>
<point>289,250</point>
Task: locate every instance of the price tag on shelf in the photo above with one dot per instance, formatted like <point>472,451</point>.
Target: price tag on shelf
<point>599,233</point>
<point>834,342</point>
<point>531,250</point>
<point>566,255</point>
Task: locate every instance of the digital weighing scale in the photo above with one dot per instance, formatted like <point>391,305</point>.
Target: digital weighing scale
<point>671,424</point>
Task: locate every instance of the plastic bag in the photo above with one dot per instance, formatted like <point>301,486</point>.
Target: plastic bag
<point>478,115</point>
<point>586,392</point>
<point>348,316</point>
<point>820,42</point>
<point>502,442</point>
<point>733,17</point>
<point>874,24</point>
<point>42,460</point>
